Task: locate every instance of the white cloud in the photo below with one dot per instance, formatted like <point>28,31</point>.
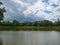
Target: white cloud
<point>39,7</point>
<point>36,9</point>
<point>21,3</point>
<point>54,1</point>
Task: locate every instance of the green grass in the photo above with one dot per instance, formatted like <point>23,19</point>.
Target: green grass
<point>28,28</point>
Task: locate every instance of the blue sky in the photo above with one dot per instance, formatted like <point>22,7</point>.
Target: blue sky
<point>32,10</point>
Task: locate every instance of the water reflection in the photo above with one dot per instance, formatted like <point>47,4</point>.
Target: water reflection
<point>30,38</point>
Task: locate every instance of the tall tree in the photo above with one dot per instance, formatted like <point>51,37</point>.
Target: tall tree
<point>2,10</point>
<point>1,3</point>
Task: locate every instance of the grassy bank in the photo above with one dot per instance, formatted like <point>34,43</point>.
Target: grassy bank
<point>28,28</point>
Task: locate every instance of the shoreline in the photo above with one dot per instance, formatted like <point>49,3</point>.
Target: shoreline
<point>28,28</point>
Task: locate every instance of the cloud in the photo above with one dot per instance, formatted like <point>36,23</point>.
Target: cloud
<point>20,2</point>
<point>48,12</point>
<point>14,10</point>
<point>32,10</point>
<point>29,1</point>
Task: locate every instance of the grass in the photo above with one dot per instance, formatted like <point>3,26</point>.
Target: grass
<point>28,28</point>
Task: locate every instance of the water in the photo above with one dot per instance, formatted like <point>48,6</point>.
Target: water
<point>30,37</point>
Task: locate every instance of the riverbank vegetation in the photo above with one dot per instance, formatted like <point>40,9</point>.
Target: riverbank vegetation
<point>44,25</point>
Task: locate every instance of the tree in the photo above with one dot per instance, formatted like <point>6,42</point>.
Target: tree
<point>36,23</point>
<point>44,23</point>
<point>1,42</point>
<point>57,23</point>
<point>15,23</point>
<point>47,23</point>
<point>1,3</point>
<point>27,23</point>
<point>2,10</point>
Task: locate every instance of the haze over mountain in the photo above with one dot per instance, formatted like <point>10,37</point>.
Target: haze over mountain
<point>32,10</point>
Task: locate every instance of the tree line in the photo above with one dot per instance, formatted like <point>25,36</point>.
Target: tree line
<point>43,23</point>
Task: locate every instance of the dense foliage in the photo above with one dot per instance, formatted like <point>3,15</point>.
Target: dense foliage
<point>44,23</point>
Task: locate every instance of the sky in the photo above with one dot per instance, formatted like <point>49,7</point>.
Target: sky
<point>31,10</point>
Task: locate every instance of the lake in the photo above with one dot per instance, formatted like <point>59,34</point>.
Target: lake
<point>30,37</point>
